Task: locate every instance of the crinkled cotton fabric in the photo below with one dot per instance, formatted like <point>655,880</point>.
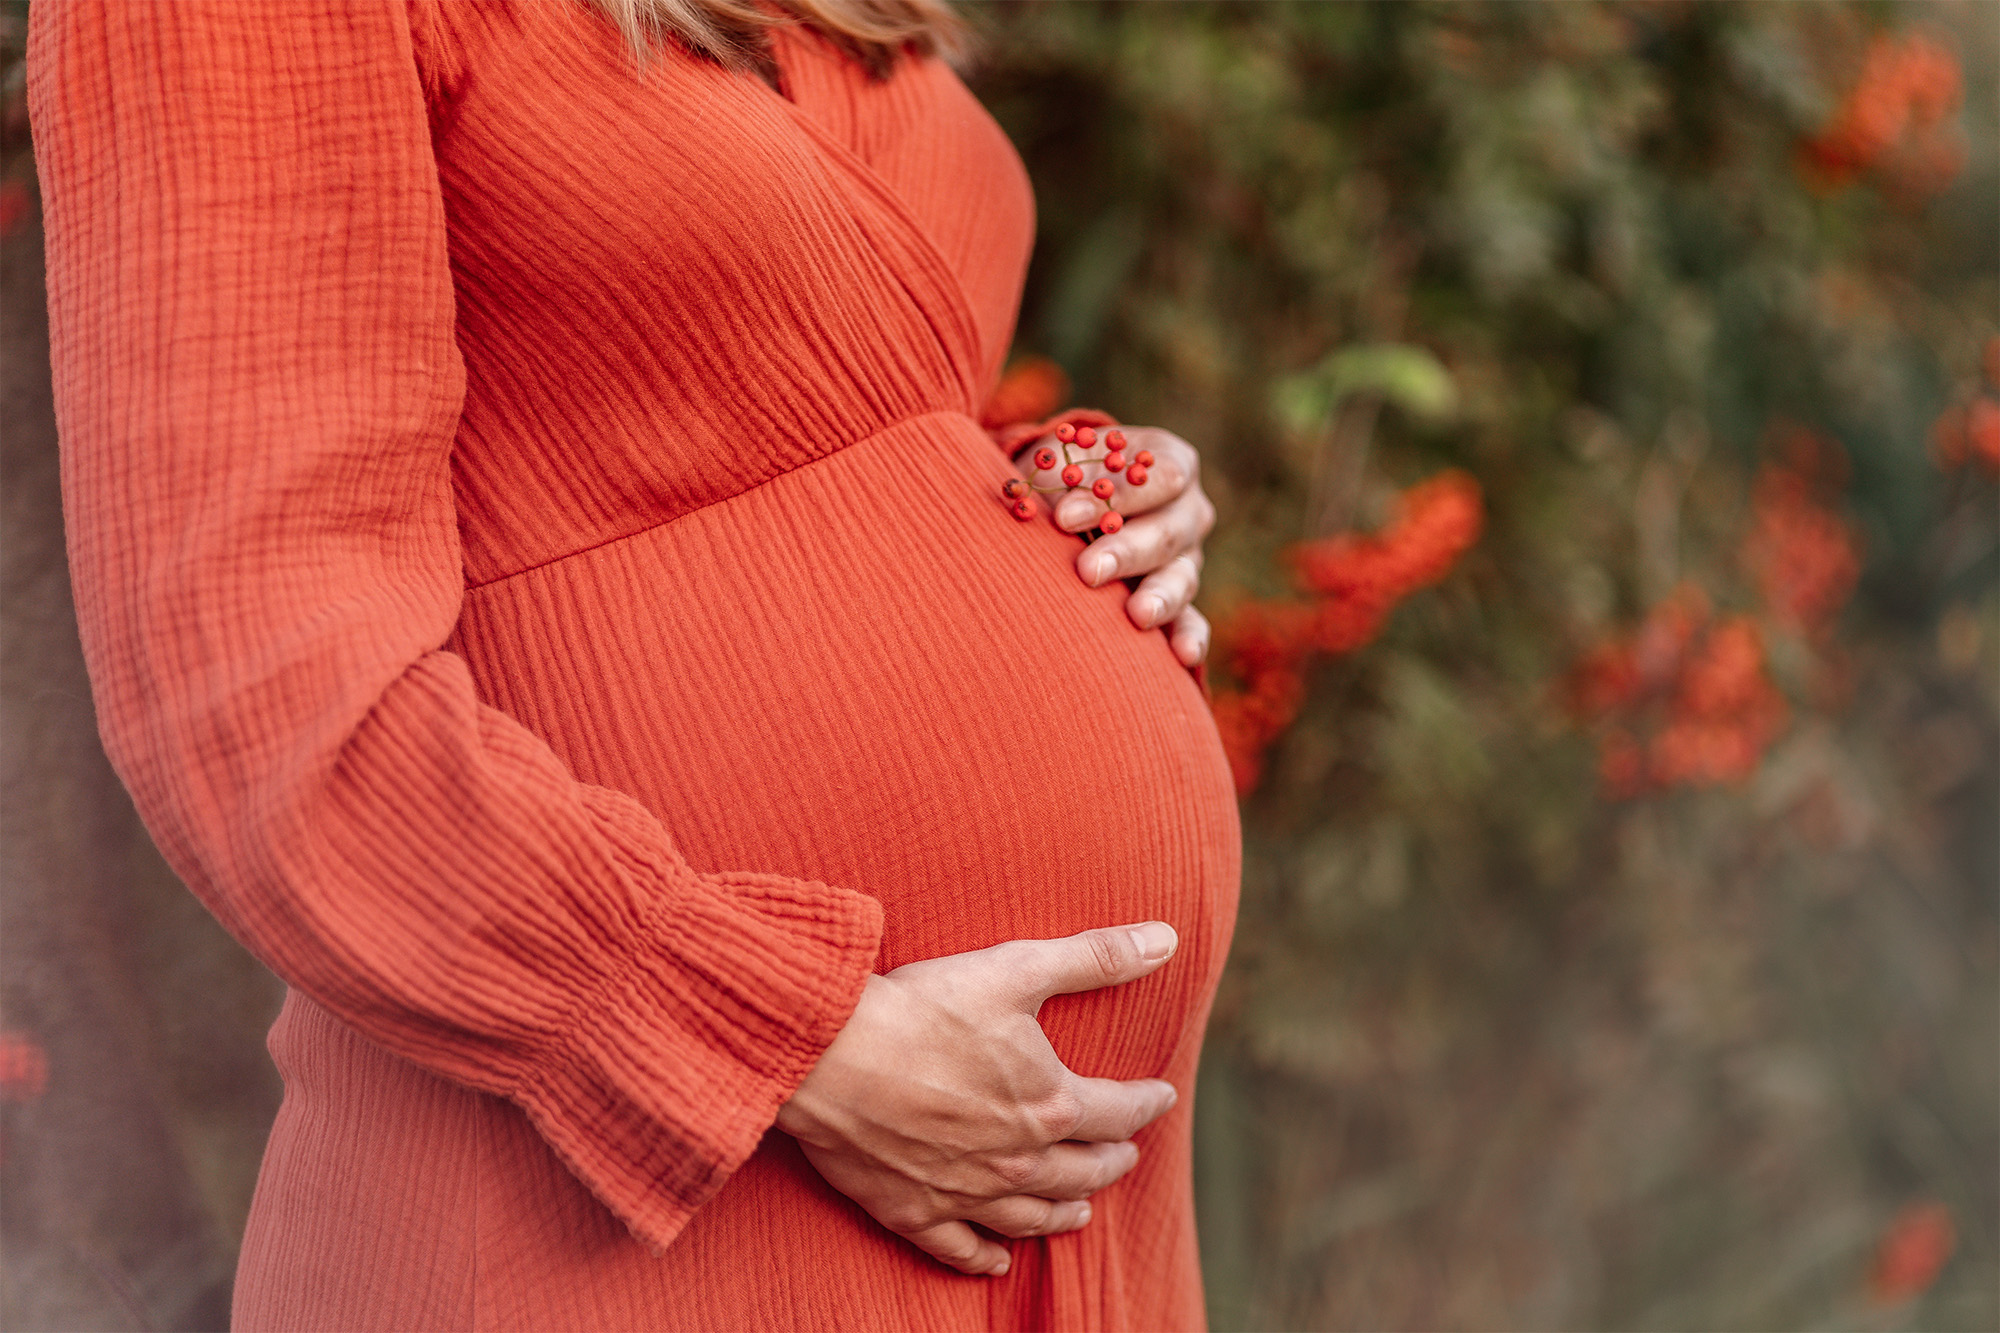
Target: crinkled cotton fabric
<point>546,589</point>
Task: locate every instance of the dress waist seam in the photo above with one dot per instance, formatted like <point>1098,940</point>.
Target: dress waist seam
<point>615,538</point>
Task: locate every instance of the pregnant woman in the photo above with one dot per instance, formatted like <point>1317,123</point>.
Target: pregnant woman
<point>548,592</point>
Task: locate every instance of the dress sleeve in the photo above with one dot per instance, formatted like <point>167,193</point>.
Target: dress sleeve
<point>257,387</point>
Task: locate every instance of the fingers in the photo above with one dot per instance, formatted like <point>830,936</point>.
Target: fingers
<point>1168,517</point>
<point>1109,956</point>
<point>957,1245</point>
<point>1111,1111</point>
<point>1175,466</point>
<point>1148,542</point>
<point>1166,591</point>
<point>1024,1215</point>
<point>1190,638</point>
<point>1075,1171</point>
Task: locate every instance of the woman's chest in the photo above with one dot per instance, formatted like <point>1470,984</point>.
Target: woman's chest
<point>676,285</point>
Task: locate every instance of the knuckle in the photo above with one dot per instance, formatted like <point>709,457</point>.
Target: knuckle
<point>959,1247</point>
<point>1107,952</point>
<point>1040,1221</point>
<point>1014,1170</point>
<point>1022,1218</point>
<point>1059,1114</point>
<point>905,1218</point>
<point>1021,959</point>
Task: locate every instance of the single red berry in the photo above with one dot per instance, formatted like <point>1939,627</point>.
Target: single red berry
<point>1115,438</point>
<point>1024,509</point>
<point>1144,458</point>
<point>1114,461</point>
<point>1111,522</point>
<point>1135,475</point>
<point>1072,475</point>
<point>1085,437</point>
<point>1013,488</point>
<point>1045,458</point>
<point>1102,488</point>
<point>1065,432</point>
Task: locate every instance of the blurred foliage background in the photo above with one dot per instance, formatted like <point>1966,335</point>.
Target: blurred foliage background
<point>1603,404</point>
<point>1618,946</point>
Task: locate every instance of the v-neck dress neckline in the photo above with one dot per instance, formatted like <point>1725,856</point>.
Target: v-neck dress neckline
<point>923,265</point>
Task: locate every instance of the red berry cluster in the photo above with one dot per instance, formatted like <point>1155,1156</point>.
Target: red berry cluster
<point>1897,119</point>
<point>1355,581</point>
<point>24,1068</point>
<point>1912,1252</point>
<point>1969,430</point>
<point>1692,699</point>
<point>1021,492</point>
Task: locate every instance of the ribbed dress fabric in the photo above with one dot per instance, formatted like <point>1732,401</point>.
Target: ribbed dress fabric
<point>545,586</point>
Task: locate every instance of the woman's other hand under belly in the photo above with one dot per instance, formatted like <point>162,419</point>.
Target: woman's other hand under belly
<point>942,1104</point>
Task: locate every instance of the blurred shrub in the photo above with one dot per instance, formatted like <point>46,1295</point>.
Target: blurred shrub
<point>1618,946</point>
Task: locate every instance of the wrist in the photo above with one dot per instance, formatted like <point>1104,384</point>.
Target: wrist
<point>805,1114</point>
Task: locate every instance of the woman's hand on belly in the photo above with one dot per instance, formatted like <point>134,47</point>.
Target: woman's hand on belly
<point>942,1104</point>
<point>1167,518</point>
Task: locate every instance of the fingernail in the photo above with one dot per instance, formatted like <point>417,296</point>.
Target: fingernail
<point>1000,1269</point>
<point>1097,568</point>
<point>1156,940</point>
<point>1083,1215</point>
<point>1145,610</point>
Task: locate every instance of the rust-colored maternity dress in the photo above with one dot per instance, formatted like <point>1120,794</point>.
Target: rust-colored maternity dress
<point>547,591</point>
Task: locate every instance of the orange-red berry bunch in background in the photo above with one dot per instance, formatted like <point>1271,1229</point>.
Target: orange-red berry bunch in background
<point>1032,389</point>
<point>1969,430</point>
<point>1896,120</point>
<point>24,1068</point>
<point>1021,493</point>
<point>1688,698</point>
<point>1684,699</point>
<point>1355,581</point>
<point>24,1075</point>
<point>1802,555</point>
<point>1914,1249</point>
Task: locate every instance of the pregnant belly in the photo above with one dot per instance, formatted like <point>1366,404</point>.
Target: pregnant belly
<point>867,673</point>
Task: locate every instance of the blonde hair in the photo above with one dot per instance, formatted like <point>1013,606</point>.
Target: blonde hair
<point>736,33</point>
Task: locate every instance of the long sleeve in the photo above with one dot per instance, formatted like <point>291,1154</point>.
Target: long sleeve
<point>257,387</point>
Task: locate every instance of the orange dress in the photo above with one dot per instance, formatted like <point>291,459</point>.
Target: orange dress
<point>546,590</point>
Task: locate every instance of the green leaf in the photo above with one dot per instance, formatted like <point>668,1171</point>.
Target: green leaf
<point>1409,377</point>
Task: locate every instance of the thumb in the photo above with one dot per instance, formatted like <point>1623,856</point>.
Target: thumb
<point>1109,956</point>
